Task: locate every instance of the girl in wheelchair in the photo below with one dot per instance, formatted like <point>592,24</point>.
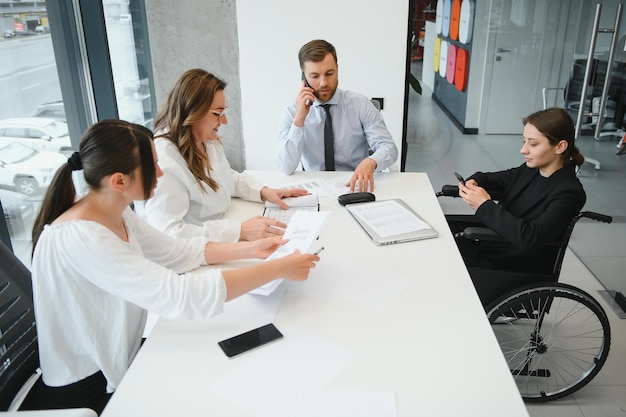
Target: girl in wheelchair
<point>536,202</point>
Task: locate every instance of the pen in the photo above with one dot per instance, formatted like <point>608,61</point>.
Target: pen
<point>317,252</point>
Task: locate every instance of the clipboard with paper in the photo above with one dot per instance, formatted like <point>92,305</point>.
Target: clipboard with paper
<point>391,221</point>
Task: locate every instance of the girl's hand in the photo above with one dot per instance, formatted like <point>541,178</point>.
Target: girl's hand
<point>473,194</point>
<point>263,248</point>
<point>259,227</point>
<point>297,266</point>
<point>274,195</point>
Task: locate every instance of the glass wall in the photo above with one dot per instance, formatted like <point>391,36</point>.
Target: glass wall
<point>130,59</point>
<point>38,87</point>
<point>34,138</point>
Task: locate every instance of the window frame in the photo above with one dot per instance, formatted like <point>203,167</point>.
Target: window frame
<point>81,50</point>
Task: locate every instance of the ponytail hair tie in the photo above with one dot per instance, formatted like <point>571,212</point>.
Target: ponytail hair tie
<point>74,162</point>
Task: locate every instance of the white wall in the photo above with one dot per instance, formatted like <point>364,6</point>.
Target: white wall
<point>371,41</point>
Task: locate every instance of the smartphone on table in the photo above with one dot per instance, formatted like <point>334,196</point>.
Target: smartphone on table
<point>250,340</point>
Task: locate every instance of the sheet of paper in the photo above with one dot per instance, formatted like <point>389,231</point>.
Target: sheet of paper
<point>388,218</point>
<point>302,230</point>
<point>315,186</point>
<point>337,279</point>
<point>346,403</point>
<point>267,381</point>
<point>339,187</point>
<point>334,187</point>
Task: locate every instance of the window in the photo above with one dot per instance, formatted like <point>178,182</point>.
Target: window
<point>130,60</point>
<point>58,60</point>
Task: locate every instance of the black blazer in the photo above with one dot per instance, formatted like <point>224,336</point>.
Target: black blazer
<point>532,211</point>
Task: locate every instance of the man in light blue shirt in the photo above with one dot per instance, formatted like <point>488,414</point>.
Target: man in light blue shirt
<point>357,125</point>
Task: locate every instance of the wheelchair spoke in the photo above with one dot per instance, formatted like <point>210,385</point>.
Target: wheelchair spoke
<point>555,339</point>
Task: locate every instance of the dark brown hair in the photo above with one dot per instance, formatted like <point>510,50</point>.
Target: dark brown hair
<point>107,147</point>
<point>556,125</point>
<point>189,101</point>
<point>316,51</point>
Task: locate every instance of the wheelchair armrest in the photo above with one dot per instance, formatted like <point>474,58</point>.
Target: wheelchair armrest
<point>482,233</point>
<point>596,216</point>
<point>449,191</point>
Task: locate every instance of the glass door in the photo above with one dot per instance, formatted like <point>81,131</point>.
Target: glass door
<point>530,46</point>
<point>537,45</point>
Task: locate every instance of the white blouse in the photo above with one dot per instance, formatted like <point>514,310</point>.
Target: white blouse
<point>92,291</point>
<point>180,207</point>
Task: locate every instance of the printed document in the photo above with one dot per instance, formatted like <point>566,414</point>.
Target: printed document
<point>302,231</point>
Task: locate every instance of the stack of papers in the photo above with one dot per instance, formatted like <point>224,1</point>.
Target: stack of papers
<point>308,202</point>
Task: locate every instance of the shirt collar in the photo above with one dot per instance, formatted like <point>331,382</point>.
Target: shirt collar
<point>335,99</point>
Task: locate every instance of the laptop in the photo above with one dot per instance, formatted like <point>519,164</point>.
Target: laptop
<point>391,221</point>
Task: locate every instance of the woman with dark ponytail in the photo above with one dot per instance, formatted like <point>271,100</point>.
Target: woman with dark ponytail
<point>97,269</point>
<point>536,201</point>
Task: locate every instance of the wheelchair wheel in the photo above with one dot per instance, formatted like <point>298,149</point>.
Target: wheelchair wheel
<point>554,337</point>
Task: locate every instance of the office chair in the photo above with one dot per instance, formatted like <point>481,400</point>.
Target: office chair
<point>555,337</point>
<point>18,342</point>
<point>19,353</point>
<point>572,92</point>
<point>617,93</point>
<point>616,104</point>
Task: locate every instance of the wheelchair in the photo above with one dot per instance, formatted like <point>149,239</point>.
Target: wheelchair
<point>555,337</point>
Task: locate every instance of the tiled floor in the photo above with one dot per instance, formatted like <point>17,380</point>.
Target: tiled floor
<point>436,146</point>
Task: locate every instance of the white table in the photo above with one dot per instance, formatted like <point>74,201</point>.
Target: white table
<point>428,341</point>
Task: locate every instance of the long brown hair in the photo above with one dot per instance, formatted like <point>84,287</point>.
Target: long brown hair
<point>556,125</point>
<point>189,101</point>
<point>107,147</point>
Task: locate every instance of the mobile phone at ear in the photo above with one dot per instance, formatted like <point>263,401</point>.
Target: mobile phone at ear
<point>306,83</point>
<point>250,340</point>
<point>459,177</point>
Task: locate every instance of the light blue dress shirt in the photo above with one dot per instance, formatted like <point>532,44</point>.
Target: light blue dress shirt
<point>358,127</point>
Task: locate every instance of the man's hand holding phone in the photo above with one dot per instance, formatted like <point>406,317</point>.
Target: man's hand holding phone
<point>306,84</point>
<point>304,100</point>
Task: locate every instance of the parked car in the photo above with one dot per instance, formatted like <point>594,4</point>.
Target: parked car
<point>26,169</point>
<point>19,213</point>
<point>51,110</point>
<point>41,133</point>
<point>42,29</point>
<point>9,33</point>
<point>26,32</point>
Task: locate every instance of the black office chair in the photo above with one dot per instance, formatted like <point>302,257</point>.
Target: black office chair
<point>19,358</point>
<point>615,125</point>
<point>555,337</point>
<point>572,92</point>
<point>572,98</point>
<point>19,352</point>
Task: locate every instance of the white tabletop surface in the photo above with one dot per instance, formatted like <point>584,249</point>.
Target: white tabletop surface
<point>399,322</point>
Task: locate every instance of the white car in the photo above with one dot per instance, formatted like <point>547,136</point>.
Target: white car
<point>41,133</point>
<point>26,169</point>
